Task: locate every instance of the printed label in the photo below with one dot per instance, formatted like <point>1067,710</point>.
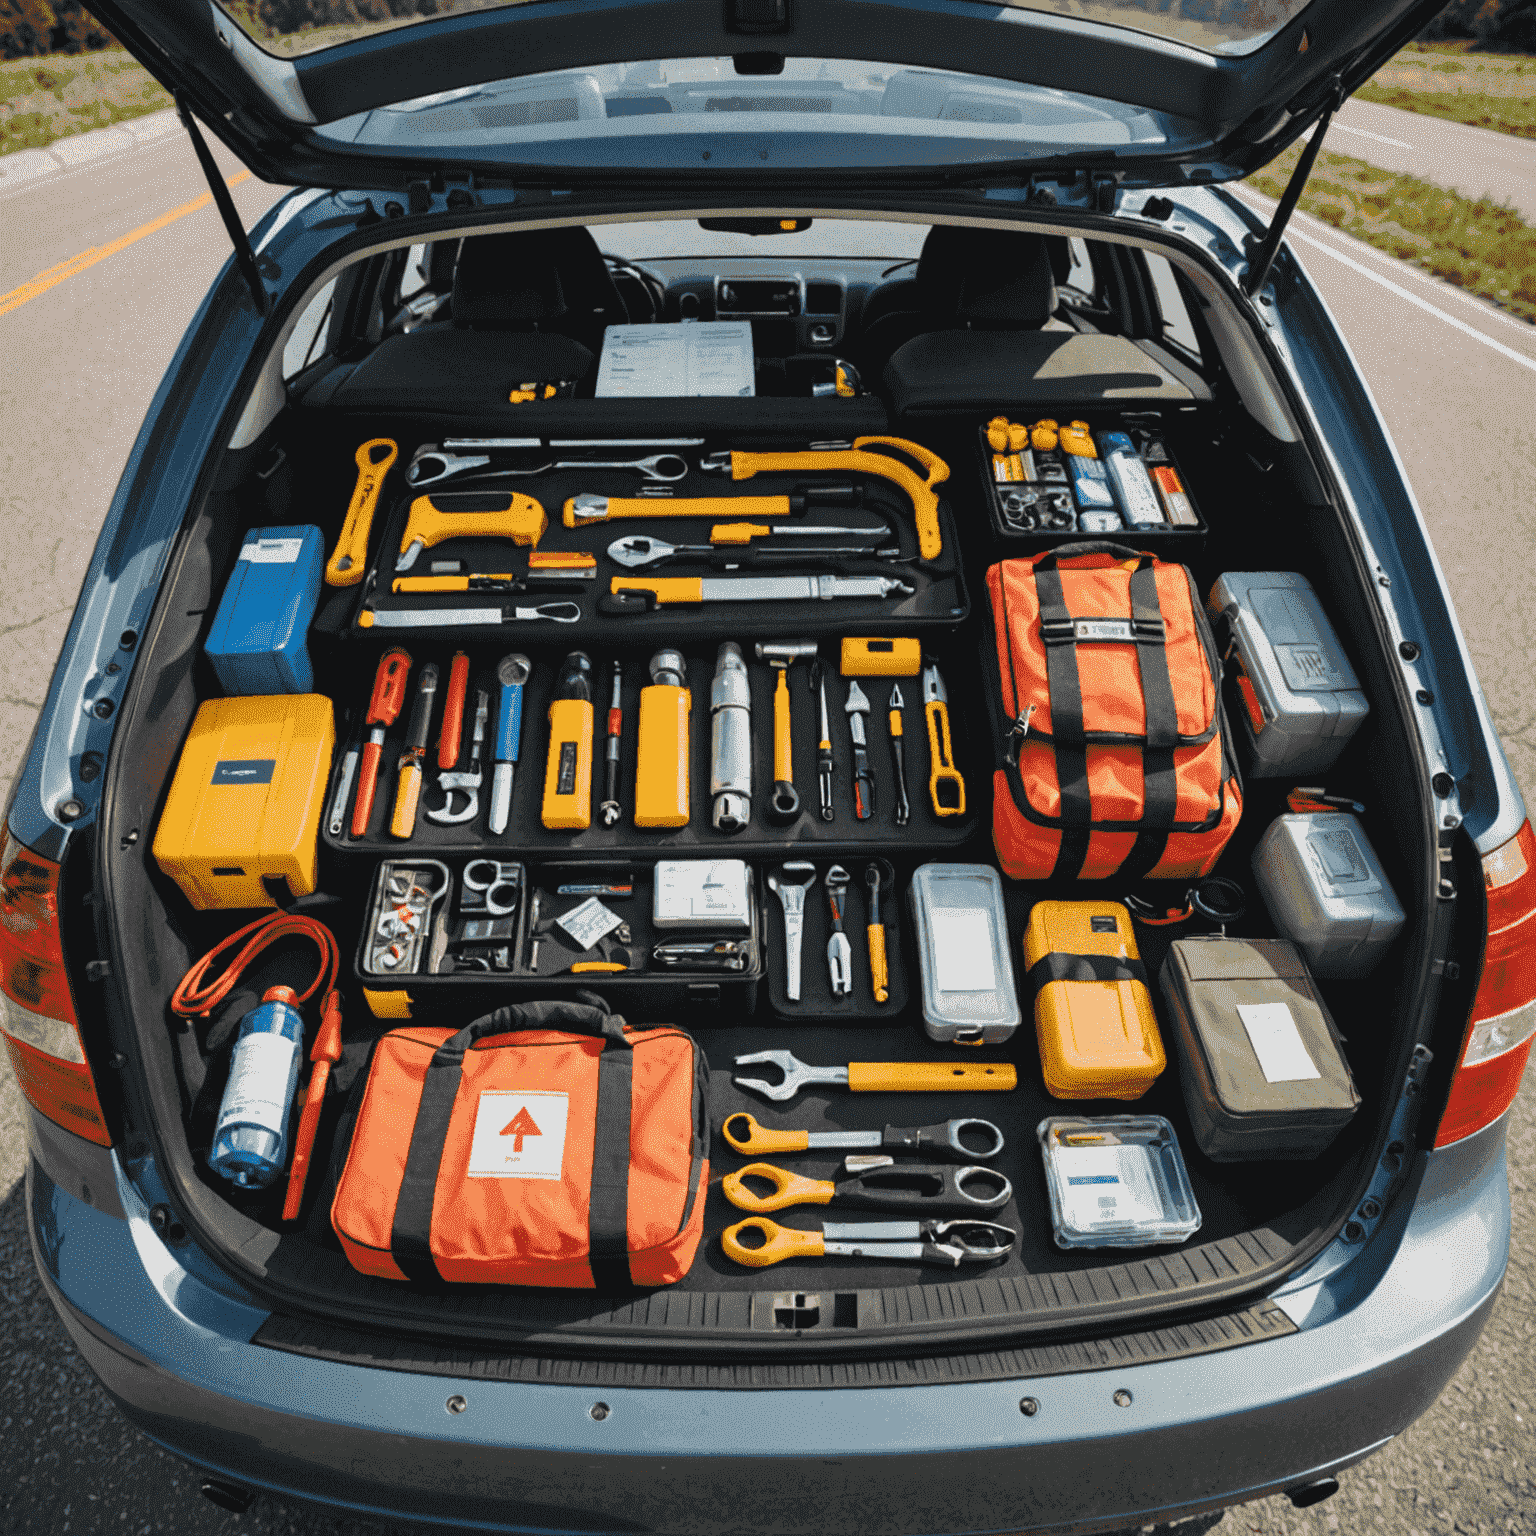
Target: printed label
<point>587,923</point>
<point>565,784</point>
<point>519,1135</point>
<point>1277,1043</point>
<point>244,770</point>
<point>962,950</point>
<point>1339,858</point>
<point>1107,1187</point>
<point>271,551</point>
<point>1103,629</point>
<point>259,1080</point>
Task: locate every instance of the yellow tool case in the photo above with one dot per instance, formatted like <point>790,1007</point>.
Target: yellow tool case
<point>244,807</point>
<point>1093,1011</point>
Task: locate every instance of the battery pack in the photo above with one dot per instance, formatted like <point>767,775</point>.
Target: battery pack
<point>259,639</point>
<point>1090,484</point>
<point>1094,1018</point>
<point>662,757</point>
<point>244,809</point>
<point>1298,699</point>
<point>567,804</point>
<point>1325,888</point>
<point>863,657</point>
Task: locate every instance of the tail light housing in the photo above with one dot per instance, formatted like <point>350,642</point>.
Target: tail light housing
<point>1502,1022</point>
<point>37,1008</point>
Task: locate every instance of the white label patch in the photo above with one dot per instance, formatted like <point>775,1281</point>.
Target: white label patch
<point>962,950</point>
<point>519,1135</point>
<point>1277,1043</point>
<point>271,551</point>
<point>1103,629</point>
<point>589,922</point>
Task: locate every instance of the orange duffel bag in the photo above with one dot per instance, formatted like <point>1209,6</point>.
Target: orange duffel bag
<point>544,1144</point>
<point>1111,743</point>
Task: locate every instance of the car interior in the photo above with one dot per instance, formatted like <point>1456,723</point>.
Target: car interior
<point>498,347</point>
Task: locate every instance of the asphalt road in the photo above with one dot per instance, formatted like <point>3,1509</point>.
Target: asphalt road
<point>1456,383</point>
<point>1474,161</point>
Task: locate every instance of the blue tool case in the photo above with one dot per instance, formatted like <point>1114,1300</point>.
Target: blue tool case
<point>258,644</point>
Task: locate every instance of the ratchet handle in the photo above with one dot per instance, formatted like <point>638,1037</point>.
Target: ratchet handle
<point>931,1076</point>
<point>452,732</point>
<point>350,557</point>
<point>946,788</point>
<point>750,1139</point>
<point>779,1243</point>
<point>788,1189</point>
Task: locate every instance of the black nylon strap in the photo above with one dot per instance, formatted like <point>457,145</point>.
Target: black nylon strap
<point>1067,741</point>
<point>608,1212</point>
<point>1058,967</point>
<point>1160,785</point>
<point>410,1240</point>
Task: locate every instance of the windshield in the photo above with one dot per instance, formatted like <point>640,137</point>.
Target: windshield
<point>290,27</point>
<point>818,111</point>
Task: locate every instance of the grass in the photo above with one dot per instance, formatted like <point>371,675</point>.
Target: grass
<point>1486,90</point>
<point>42,100</point>
<point>1476,243</point>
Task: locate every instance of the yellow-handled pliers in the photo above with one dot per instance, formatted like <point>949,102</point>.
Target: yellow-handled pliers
<point>949,1243</point>
<point>897,1187</point>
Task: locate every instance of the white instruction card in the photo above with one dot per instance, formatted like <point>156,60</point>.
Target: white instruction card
<point>1107,1187</point>
<point>587,923</point>
<point>703,357</point>
<point>1277,1043</point>
<point>962,950</point>
<point>518,1135</point>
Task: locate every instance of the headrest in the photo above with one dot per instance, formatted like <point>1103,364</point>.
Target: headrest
<point>1008,280</point>
<point>503,282</point>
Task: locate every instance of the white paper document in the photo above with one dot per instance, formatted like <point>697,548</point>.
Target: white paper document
<point>962,950</point>
<point>1107,1187</point>
<point>1277,1043</point>
<point>703,357</point>
<point>589,922</point>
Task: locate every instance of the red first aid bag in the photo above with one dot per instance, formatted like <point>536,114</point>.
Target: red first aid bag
<point>544,1144</point>
<point>1111,743</point>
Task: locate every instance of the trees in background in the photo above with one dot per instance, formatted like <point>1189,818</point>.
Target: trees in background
<point>1496,23</point>
<point>31,27</point>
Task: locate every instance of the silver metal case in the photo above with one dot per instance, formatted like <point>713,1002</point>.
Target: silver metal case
<point>1326,891</point>
<point>1306,701</point>
<point>969,997</point>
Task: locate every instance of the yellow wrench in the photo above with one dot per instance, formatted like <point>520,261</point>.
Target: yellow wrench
<point>350,558</point>
<point>508,515</point>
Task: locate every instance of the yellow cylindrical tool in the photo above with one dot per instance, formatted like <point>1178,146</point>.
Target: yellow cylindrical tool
<point>568,769</point>
<point>930,1076</point>
<point>663,757</point>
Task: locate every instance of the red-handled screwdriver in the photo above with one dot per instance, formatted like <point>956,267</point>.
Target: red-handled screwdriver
<point>326,1052</point>
<point>383,709</point>
<point>451,735</point>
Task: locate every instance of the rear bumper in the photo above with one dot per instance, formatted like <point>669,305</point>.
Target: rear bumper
<point>1378,1340</point>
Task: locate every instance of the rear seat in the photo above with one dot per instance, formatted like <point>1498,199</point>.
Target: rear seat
<point>507,295</point>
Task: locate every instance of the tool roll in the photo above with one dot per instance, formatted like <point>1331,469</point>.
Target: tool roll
<point>1111,743</point>
<point>543,1144</point>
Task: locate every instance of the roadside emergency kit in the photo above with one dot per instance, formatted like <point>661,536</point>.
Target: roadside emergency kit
<point>722,749</point>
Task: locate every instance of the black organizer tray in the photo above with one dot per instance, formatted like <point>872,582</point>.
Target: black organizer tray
<point>1171,542</point>
<point>651,991</point>
<point>940,597</point>
<point>807,836</point>
<point>817,1003</point>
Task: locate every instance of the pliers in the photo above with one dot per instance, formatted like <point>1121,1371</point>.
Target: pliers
<point>899,1187</point>
<point>948,1243</point>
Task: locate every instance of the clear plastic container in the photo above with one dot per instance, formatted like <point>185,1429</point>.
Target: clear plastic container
<point>250,1139</point>
<point>1117,1181</point>
<point>969,997</point>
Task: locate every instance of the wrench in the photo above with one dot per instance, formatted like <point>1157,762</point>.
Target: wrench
<point>839,952</point>
<point>640,550</point>
<point>791,896</point>
<point>877,1076</point>
<point>430,464</point>
<point>467,781</point>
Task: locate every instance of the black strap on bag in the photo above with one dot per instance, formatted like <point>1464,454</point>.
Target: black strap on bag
<point>1059,967</point>
<point>410,1241</point>
<point>1058,633</point>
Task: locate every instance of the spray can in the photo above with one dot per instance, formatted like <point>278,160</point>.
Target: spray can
<point>730,755</point>
<point>250,1140</point>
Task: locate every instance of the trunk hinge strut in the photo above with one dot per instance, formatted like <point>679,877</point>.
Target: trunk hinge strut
<point>1263,257</point>
<point>245,257</point>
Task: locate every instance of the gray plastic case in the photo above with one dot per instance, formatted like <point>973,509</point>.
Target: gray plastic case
<point>1324,887</point>
<point>962,935</point>
<point>1308,694</point>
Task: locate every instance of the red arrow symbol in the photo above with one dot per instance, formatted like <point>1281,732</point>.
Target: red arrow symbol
<point>521,1125</point>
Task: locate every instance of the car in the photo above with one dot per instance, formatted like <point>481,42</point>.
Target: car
<point>899,220</point>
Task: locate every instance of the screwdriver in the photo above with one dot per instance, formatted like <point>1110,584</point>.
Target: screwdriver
<point>383,710</point>
<point>610,807</point>
<point>450,734</point>
<point>512,671</point>
<point>899,753</point>
<point>408,787</point>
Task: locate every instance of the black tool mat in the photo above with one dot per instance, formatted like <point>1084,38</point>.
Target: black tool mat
<point>939,595</point>
<point>1233,1197</point>
<point>817,1002</point>
<point>526,831</point>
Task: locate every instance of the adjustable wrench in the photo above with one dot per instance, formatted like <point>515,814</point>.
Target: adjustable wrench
<point>466,781</point>
<point>839,952</point>
<point>857,708</point>
<point>791,894</point>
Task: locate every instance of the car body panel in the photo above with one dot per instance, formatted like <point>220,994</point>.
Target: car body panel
<point>1371,1355</point>
<point>1244,106</point>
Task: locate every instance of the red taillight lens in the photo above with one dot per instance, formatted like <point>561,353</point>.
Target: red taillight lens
<point>1503,1018</point>
<point>37,1011</point>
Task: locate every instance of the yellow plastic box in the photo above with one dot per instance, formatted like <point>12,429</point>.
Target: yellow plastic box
<point>245,804</point>
<point>1094,1017</point>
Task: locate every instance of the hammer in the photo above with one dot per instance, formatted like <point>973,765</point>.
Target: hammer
<point>783,803</point>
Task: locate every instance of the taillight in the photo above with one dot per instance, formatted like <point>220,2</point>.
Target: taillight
<point>1503,1017</point>
<point>37,1010</point>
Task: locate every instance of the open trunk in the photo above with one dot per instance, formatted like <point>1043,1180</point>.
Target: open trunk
<point>1265,505</point>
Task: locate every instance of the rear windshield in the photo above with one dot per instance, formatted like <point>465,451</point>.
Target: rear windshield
<point>289,27</point>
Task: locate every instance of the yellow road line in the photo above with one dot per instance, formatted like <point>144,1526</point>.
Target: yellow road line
<point>76,264</point>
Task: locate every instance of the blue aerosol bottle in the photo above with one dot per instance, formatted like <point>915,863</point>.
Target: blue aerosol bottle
<point>250,1140</point>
